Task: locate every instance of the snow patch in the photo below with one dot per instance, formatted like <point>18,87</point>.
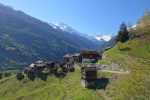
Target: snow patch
<point>6,5</point>
<point>101,37</point>
<point>106,37</point>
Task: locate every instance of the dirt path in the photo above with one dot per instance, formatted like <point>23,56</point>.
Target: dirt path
<point>116,72</point>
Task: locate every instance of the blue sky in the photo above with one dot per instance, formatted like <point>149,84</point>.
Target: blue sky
<point>86,16</point>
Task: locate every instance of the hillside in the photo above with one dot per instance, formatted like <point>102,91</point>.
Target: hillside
<point>24,39</point>
<point>134,55</point>
<point>49,88</point>
<point>121,72</point>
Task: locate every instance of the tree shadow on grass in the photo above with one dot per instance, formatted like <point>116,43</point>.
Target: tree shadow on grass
<point>125,49</point>
<point>100,83</point>
<point>61,75</point>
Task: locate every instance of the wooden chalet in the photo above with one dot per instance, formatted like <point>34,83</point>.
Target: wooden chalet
<point>30,68</point>
<point>77,57</point>
<point>90,54</point>
<point>32,65</point>
<point>50,64</point>
<point>40,66</point>
<point>69,58</point>
<point>89,73</point>
<point>27,69</point>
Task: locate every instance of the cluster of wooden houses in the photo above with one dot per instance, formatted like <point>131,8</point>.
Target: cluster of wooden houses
<point>84,55</point>
<point>67,64</point>
<point>87,73</point>
<point>36,68</point>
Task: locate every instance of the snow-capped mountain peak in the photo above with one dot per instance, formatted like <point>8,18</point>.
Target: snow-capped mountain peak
<point>96,37</point>
<point>1,3</point>
<point>64,27</point>
<point>100,37</point>
<point>53,25</point>
<point>4,4</point>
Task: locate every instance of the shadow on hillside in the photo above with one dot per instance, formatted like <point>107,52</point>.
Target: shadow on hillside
<point>125,49</point>
<point>31,76</point>
<point>43,76</point>
<point>100,83</point>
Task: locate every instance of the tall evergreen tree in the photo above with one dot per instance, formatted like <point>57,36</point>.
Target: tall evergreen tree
<point>123,33</point>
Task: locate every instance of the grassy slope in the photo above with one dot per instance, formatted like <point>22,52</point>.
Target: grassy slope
<point>136,55</point>
<point>70,87</point>
<point>7,73</point>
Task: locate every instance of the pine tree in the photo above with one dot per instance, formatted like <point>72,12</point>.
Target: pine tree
<point>123,33</point>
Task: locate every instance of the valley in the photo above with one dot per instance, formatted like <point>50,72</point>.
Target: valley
<point>24,39</point>
<point>48,61</point>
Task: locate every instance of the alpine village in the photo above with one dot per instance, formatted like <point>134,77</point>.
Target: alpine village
<point>40,61</point>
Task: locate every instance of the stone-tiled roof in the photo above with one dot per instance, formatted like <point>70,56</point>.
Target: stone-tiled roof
<point>40,61</point>
<point>76,55</point>
<point>32,65</point>
<point>90,69</point>
<point>68,56</point>
<point>89,52</point>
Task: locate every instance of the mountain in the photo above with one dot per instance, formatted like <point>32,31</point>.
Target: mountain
<point>25,39</point>
<point>109,43</point>
<point>66,28</point>
<point>98,39</point>
<point>101,37</point>
<point>133,57</point>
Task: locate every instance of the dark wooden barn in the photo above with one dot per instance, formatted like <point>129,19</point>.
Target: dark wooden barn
<point>40,66</point>
<point>50,65</point>
<point>89,73</point>
<point>90,54</point>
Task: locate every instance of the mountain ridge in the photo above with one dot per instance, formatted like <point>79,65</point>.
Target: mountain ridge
<point>25,39</point>
<point>94,37</point>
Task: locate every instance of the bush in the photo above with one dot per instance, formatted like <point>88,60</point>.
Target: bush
<point>19,76</point>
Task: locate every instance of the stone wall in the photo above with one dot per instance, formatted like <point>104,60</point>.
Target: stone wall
<point>114,66</point>
<point>113,62</point>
